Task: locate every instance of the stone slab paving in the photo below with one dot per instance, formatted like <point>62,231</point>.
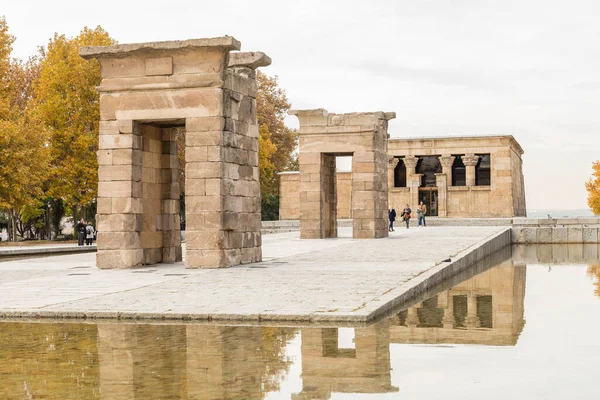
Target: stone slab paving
<point>304,280</point>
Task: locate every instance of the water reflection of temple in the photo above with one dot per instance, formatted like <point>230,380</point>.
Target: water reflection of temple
<point>485,309</point>
<point>130,361</point>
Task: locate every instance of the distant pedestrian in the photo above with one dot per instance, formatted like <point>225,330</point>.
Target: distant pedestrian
<point>80,229</point>
<point>421,212</point>
<point>392,217</point>
<point>89,234</point>
<point>406,215</point>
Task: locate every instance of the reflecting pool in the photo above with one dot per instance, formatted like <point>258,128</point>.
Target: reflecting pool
<point>523,324</point>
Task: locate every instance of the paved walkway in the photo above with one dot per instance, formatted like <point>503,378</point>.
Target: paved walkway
<point>333,279</point>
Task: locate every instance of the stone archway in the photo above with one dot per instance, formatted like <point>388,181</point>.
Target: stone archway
<point>325,136</point>
<point>146,90</point>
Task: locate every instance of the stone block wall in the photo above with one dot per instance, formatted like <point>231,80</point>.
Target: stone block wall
<point>289,198</point>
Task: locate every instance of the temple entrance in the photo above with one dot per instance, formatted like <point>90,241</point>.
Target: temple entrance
<point>429,197</point>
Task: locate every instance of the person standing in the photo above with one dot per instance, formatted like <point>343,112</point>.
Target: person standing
<point>421,212</point>
<point>89,234</point>
<point>392,217</point>
<point>406,215</point>
<point>80,229</point>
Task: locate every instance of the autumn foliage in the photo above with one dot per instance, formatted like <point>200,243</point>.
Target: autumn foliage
<point>593,188</point>
<point>49,117</point>
<point>49,113</point>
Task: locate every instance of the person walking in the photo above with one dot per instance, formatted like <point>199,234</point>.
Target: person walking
<point>89,234</point>
<point>392,217</point>
<point>406,215</point>
<point>80,229</point>
<point>421,212</point>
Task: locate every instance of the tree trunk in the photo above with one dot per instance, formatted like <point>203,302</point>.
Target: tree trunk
<point>13,226</point>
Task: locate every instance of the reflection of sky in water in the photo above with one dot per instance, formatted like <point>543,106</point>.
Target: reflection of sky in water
<point>555,356</point>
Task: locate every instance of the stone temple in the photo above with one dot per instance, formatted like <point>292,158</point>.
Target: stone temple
<point>456,177</point>
<point>149,90</point>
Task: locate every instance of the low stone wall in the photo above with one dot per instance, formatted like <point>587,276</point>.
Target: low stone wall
<point>557,231</point>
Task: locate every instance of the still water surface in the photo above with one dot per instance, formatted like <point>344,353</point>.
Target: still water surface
<point>524,324</point>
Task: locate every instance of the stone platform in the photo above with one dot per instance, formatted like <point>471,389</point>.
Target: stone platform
<point>336,280</point>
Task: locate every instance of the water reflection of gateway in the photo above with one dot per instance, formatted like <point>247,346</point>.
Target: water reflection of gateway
<point>485,309</point>
<point>170,361</point>
<point>326,368</point>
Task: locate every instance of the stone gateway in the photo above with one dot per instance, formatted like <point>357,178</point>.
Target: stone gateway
<point>325,136</point>
<point>149,90</point>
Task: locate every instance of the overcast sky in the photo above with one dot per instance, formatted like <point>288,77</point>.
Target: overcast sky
<point>530,68</point>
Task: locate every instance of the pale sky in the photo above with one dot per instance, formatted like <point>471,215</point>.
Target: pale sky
<point>530,68</point>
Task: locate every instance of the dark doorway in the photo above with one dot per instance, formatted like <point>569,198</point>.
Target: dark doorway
<point>429,197</point>
<point>400,174</point>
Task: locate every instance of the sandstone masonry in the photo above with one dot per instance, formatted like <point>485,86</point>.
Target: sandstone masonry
<point>149,90</point>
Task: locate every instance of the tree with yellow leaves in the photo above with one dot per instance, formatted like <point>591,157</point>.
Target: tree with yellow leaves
<point>23,150</point>
<point>6,41</point>
<point>593,188</point>
<point>67,108</point>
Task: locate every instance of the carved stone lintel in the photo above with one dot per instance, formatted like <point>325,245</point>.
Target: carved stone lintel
<point>470,160</point>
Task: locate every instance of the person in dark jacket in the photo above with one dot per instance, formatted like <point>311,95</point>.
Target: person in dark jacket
<point>392,217</point>
<point>80,229</point>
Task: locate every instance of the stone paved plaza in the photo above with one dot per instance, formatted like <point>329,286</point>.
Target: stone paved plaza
<point>307,280</point>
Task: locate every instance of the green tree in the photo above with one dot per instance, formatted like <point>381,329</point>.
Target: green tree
<point>593,189</point>
<point>67,108</point>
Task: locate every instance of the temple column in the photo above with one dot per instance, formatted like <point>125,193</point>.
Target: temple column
<point>448,318</point>
<point>411,165</point>
<point>392,163</point>
<point>413,179</point>
<point>472,320</point>
<point>412,317</point>
<point>470,161</point>
<point>447,161</point>
<point>441,183</point>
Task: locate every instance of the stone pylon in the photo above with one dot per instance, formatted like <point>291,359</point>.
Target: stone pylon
<point>325,136</point>
<point>148,92</point>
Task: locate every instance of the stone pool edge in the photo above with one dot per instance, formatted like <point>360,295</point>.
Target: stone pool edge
<point>389,300</point>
